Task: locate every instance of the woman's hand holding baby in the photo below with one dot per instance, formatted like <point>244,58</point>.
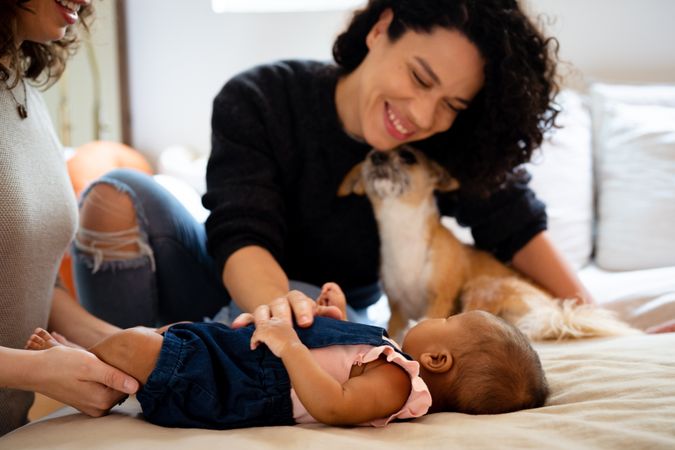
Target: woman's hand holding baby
<point>295,304</point>
<point>78,378</point>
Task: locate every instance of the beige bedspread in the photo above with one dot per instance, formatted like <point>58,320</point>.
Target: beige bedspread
<point>611,393</point>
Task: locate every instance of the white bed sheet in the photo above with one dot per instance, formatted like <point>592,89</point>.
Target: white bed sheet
<point>642,297</point>
<point>610,393</point>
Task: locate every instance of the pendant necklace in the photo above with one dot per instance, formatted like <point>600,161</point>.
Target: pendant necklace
<point>21,108</point>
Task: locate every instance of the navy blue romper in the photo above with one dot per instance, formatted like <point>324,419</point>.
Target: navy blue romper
<point>208,377</point>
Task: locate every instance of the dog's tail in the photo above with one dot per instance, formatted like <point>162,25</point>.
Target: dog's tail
<point>567,320</point>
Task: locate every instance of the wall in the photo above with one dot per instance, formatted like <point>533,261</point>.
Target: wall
<point>181,53</point>
<point>612,40</point>
<point>71,100</point>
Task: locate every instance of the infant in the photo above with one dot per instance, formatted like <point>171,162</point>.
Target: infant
<point>208,375</point>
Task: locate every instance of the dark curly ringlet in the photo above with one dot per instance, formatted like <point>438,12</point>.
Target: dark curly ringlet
<point>507,120</point>
<point>41,63</point>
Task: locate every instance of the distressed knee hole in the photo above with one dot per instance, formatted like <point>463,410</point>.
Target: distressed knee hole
<point>105,208</point>
<point>109,229</point>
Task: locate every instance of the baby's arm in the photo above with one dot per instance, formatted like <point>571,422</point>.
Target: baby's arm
<point>377,393</point>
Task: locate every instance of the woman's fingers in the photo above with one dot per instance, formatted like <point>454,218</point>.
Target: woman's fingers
<point>303,307</point>
<point>261,314</point>
<point>79,379</point>
<point>665,327</point>
<point>295,304</point>
<point>280,308</point>
<point>243,320</point>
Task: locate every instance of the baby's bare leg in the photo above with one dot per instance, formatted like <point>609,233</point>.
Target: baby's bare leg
<point>134,351</point>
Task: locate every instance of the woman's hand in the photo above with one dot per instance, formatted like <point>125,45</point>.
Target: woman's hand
<point>296,305</point>
<point>78,378</point>
<point>665,327</point>
<point>277,334</point>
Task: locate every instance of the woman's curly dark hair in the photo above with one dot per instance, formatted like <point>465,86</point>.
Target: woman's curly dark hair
<point>41,63</point>
<point>507,119</point>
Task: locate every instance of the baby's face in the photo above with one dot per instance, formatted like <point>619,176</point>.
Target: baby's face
<point>436,334</point>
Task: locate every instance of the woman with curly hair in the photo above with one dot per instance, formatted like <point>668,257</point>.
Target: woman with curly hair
<point>468,81</point>
<point>37,222</point>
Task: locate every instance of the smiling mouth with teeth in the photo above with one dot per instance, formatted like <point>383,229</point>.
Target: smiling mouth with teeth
<point>74,7</point>
<point>396,122</point>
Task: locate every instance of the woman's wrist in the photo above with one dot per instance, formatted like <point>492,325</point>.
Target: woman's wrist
<point>253,277</point>
<point>541,261</point>
<point>19,369</point>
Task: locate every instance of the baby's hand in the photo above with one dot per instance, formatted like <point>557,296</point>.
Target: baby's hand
<point>277,334</point>
<point>332,295</point>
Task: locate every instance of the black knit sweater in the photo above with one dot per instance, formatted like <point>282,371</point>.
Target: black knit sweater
<point>279,154</point>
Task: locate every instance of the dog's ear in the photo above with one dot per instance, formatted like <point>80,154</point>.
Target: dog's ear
<point>444,182</point>
<point>352,182</point>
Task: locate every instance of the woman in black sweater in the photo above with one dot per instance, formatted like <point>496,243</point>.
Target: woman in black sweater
<point>468,81</point>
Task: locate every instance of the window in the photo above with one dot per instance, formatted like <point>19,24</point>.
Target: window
<point>233,6</point>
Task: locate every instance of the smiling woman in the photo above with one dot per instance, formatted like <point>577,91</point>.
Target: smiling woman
<point>468,81</point>
<point>43,29</point>
<point>38,220</point>
<point>411,88</point>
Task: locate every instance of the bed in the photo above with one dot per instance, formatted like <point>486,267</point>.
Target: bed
<point>606,393</point>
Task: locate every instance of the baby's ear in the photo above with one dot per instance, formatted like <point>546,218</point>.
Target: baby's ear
<point>436,362</point>
<point>444,182</point>
<point>352,182</point>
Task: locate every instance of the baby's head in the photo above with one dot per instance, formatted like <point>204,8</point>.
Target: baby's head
<point>476,363</point>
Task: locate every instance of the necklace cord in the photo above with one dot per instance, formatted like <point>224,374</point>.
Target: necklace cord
<point>21,108</point>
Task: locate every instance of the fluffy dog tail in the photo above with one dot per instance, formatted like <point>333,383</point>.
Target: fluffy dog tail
<point>567,320</point>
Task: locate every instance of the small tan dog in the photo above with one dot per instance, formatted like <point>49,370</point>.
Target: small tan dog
<point>427,272</point>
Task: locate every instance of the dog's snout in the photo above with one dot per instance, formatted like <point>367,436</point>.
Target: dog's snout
<point>378,158</point>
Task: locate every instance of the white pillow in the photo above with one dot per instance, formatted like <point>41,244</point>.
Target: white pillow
<point>185,194</point>
<point>634,143</point>
<point>562,177</point>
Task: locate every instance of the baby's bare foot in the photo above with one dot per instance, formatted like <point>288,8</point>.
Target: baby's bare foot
<point>41,340</point>
<point>332,295</point>
<point>61,339</point>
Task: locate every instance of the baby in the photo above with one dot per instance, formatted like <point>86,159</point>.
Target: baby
<point>208,375</point>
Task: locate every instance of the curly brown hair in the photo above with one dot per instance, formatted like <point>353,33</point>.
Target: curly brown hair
<point>39,62</point>
<point>507,120</point>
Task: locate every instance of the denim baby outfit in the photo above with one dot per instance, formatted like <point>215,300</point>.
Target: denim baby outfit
<point>208,377</point>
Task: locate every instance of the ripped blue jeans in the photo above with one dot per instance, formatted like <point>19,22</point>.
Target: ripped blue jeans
<point>170,277</point>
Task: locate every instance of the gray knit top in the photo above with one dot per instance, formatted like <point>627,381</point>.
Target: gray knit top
<point>38,217</point>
